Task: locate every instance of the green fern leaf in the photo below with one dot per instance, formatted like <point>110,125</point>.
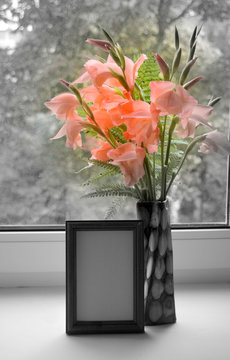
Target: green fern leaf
<point>149,71</point>
<point>105,174</point>
<point>118,134</point>
<point>112,190</point>
<point>104,165</point>
<point>83,169</point>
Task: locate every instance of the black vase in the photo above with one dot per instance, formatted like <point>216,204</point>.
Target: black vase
<point>159,285</point>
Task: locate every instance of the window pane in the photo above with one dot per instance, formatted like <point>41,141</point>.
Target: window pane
<point>43,41</point>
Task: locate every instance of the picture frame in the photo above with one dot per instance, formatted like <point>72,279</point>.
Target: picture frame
<point>104,277</point>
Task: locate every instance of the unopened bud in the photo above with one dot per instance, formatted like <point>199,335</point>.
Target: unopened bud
<point>163,66</point>
<point>76,92</point>
<point>176,61</point>
<point>177,40</point>
<point>64,82</point>
<point>101,44</point>
<point>186,70</point>
<point>193,82</point>
<point>214,101</point>
<point>193,37</point>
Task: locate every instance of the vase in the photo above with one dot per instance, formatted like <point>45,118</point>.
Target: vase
<point>159,285</point>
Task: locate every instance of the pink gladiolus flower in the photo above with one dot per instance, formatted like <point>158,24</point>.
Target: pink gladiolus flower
<point>159,88</point>
<point>100,72</point>
<point>131,69</point>
<point>71,129</point>
<point>215,142</point>
<point>103,119</point>
<point>198,115</point>
<point>101,152</point>
<point>130,159</point>
<point>180,103</point>
<point>64,106</point>
<point>103,97</point>
<point>89,143</point>
<point>141,120</point>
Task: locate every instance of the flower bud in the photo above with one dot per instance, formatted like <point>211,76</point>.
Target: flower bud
<point>193,82</point>
<point>186,70</point>
<point>76,92</point>
<point>177,40</point>
<point>176,61</point>
<point>101,44</point>
<point>192,52</point>
<point>193,37</point>
<point>64,82</point>
<point>213,102</point>
<point>163,66</point>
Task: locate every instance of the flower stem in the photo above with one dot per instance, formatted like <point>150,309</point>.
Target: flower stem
<point>164,177</point>
<point>162,160</point>
<point>138,191</point>
<point>148,178</point>
<point>189,148</point>
<point>154,174</point>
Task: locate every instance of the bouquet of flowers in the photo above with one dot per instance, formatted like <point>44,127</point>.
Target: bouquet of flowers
<point>137,119</point>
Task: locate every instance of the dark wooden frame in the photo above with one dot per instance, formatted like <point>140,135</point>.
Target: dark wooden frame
<point>136,325</point>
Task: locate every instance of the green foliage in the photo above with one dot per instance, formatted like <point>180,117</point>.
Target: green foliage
<point>174,161</point>
<point>149,71</point>
<point>81,112</point>
<point>112,190</point>
<point>105,165</point>
<point>118,135</point>
<point>105,174</point>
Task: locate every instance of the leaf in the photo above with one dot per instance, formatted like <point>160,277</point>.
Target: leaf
<point>104,165</point>
<point>118,134</point>
<point>112,190</point>
<point>113,209</point>
<point>179,142</point>
<point>105,174</point>
<point>109,38</point>
<point>120,78</point>
<point>81,112</point>
<point>148,71</point>
<point>83,169</point>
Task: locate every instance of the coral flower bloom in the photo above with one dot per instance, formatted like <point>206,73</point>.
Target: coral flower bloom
<point>141,120</point>
<point>180,103</point>
<point>103,119</point>
<point>64,106</point>
<point>101,152</point>
<point>130,159</point>
<point>100,72</point>
<point>188,124</point>
<point>71,129</point>
<point>102,97</point>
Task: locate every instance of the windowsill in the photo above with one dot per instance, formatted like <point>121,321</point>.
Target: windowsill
<point>38,258</point>
<point>33,327</point>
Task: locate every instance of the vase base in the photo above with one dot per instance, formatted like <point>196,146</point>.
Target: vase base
<point>161,322</point>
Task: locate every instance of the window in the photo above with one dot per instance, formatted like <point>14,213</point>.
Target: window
<point>42,42</point>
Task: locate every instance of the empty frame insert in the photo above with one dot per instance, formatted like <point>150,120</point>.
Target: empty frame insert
<point>104,277</point>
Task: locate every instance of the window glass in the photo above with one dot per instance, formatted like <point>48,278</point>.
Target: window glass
<point>43,41</point>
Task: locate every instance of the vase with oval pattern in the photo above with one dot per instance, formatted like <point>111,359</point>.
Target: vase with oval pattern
<point>159,285</point>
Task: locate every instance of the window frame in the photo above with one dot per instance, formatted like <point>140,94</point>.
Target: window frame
<point>37,258</point>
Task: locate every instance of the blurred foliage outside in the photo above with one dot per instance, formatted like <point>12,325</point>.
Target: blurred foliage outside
<point>43,41</point>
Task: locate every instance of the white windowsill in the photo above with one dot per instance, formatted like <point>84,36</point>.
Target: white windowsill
<point>38,258</point>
